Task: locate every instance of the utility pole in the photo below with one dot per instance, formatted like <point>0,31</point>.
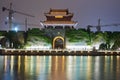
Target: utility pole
<point>25,24</point>
<point>99,25</point>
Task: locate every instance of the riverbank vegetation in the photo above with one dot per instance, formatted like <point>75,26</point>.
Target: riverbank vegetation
<point>106,40</point>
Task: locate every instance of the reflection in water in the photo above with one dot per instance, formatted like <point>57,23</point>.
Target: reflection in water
<point>59,67</point>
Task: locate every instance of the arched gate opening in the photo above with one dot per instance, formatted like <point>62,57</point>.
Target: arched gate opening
<point>58,43</point>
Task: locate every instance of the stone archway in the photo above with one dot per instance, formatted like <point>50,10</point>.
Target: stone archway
<point>58,43</point>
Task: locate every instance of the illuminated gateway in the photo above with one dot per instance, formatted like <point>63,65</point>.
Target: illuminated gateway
<point>57,21</point>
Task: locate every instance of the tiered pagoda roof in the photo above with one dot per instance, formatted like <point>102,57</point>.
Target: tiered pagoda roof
<point>58,17</point>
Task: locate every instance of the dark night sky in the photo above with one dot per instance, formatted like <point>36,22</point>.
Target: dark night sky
<point>86,12</point>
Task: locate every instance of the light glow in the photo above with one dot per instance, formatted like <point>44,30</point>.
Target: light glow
<point>16,29</point>
<point>78,47</point>
<point>35,47</point>
<point>58,16</point>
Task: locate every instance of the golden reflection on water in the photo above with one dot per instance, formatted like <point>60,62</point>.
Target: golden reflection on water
<point>97,67</point>
<point>19,63</point>
<point>12,63</point>
<point>118,67</point>
<point>5,63</point>
<point>89,68</point>
<point>62,67</point>
<point>111,65</point>
<point>63,63</point>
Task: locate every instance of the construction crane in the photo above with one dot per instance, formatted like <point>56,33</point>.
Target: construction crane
<point>98,27</point>
<point>25,23</point>
<point>11,11</point>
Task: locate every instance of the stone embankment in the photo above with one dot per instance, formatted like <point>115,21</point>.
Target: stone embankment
<point>58,52</point>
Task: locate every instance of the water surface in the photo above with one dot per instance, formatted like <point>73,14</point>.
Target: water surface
<point>59,67</point>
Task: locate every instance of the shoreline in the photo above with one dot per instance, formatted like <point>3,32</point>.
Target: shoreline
<point>58,52</point>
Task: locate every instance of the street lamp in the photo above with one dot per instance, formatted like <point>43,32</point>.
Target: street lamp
<point>16,29</point>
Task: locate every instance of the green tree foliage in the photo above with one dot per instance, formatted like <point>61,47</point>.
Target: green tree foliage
<point>0,33</point>
<point>38,35</point>
<point>116,38</point>
<point>108,40</point>
<point>103,46</point>
<point>74,35</point>
<point>16,39</point>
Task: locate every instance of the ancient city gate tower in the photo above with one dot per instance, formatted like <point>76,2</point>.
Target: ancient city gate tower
<point>57,21</point>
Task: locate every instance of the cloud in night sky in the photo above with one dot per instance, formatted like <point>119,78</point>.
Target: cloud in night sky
<point>86,12</point>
